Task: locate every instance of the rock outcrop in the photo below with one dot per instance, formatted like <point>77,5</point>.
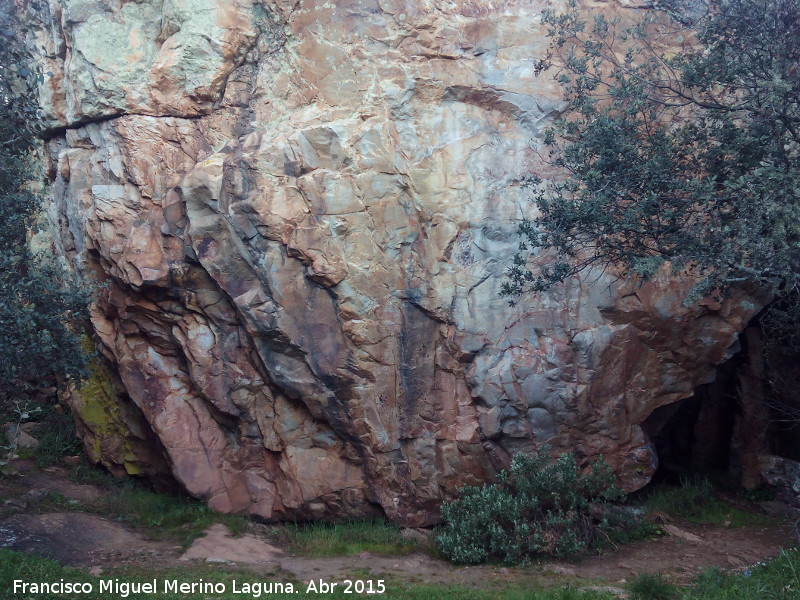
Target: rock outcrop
<point>301,212</point>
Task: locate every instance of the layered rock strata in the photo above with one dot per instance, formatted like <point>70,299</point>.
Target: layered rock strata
<point>301,213</point>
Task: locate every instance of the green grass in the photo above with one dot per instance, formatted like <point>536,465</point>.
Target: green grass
<point>649,586</point>
<point>697,501</point>
<point>53,446</point>
<point>345,538</point>
<point>56,435</point>
<point>636,531</point>
<point>57,500</point>
<point>162,516</point>
<point>87,473</point>
<point>776,580</point>
<point>57,438</point>
<point>14,565</point>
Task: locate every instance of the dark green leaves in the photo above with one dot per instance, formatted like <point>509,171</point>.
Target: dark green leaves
<point>537,507</point>
<point>39,313</point>
<point>679,144</point>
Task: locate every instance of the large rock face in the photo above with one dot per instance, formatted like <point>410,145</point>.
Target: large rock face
<point>302,211</point>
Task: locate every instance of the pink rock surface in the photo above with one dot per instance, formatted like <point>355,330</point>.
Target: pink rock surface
<point>303,212</point>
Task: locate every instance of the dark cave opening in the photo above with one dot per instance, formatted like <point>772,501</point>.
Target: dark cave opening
<point>695,435</point>
<point>751,409</point>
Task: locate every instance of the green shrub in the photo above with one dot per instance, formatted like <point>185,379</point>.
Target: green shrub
<point>41,308</point>
<point>535,508</point>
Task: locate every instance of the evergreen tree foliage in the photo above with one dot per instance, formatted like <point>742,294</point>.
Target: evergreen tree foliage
<point>679,142</point>
<point>38,311</point>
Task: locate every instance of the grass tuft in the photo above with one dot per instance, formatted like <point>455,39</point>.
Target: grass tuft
<point>57,438</point>
<point>778,579</point>
<point>164,516</point>
<point>696,501</point>
<point>346,538</point>
<point>690,499</point>
<point>648,586</point>
<point>160,516</point>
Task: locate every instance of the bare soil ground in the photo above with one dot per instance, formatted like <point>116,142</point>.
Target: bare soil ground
<point>99,544</point>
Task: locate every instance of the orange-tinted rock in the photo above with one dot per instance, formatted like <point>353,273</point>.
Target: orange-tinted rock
<point>303,213</point>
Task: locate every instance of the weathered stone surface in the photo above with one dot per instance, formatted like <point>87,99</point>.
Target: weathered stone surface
<point>783,475</point>
<point>218,545</point>
<point>17,437</point>
<point>113,431</point>
<point>70,538</point>
<point>303,211</point>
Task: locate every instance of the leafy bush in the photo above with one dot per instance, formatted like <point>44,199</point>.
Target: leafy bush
<point>680,143</point>
<point>534,508</point>
<point>41,311</point>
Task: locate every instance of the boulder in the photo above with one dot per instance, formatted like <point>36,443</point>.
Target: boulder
<point>301,213</point>
<point>783,475</point>
<point>17,437</point>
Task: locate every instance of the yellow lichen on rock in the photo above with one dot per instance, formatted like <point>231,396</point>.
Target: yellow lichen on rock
<point>103,423</point>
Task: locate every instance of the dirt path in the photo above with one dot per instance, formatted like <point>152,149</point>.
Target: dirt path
<point>723,547</point>
<point>718,546</point>
<point>93,542</point>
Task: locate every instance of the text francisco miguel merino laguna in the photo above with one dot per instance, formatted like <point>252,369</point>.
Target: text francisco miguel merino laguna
<point>253,589</point>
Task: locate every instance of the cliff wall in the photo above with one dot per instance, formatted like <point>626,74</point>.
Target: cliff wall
<point>302,212</point>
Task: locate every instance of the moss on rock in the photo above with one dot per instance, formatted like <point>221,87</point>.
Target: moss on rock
<point>106,420</point>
